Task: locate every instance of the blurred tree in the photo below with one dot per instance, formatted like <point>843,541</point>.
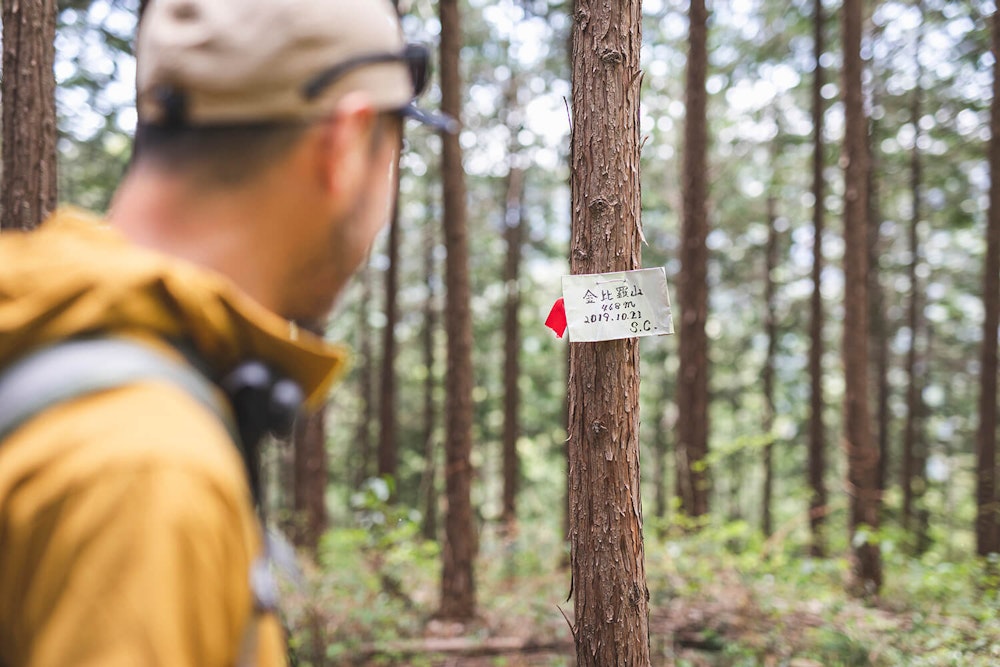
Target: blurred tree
<point>988,504</point>
<point>28,91</point>
<point>310,480</point>
<point>513,232</point>
<point>388,457</point>
<point>862,456</point>
<point>458,590</point>
<point>366,372</point>
<point>691,449</point>
<point>611,601</point>
<point>877,319</point>
<point>428,481</point>
<point>817,437</point>
<point>771,331</point>
<point>310,473</point>
<point>913,479</point>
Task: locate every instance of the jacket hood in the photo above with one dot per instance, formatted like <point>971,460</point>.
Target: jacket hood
<point>75,276</point>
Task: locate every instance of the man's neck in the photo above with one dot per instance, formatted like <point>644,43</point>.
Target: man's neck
<point>218,230</point>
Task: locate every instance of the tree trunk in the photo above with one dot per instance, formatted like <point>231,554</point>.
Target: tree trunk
<point>428,481</point>
<point>387,454</point>
<point>692,284</point>
<point>767,376</point>
<point>862,456</point>
<point>310,472</point>
<point>665,424</point>
<point>913,478</point>
<point>878,322</point>
<point>28,90</point>
<point>311,477</point>
<point>513,227</point>
<point>366,371</point>
<point>987,515</point>
<point>458,592</point>
<point>817,438</point>
<point>611,601</point>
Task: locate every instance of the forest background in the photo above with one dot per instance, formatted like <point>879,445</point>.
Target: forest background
<point>743,585</point>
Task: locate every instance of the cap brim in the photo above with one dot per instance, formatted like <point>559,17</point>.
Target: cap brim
<point>438,121</point>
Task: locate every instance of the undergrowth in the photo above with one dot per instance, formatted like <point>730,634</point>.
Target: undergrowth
<point>720,596</point>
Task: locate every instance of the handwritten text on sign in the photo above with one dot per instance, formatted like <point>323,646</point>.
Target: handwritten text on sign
<point>608,306</point>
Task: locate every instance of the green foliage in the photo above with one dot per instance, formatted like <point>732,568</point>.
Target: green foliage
<point>770,603</point>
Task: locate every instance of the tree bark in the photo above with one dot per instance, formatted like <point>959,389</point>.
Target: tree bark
<point>767,376</point>
<point>28,90</point>
<point>988,512</point>
<point>458,592</point>
<point>878,322</point>
<point>862,456</point>
<point>817,438</point>
<point>387,449</point>
<point>311,472</point>
<point>513,227</point>
<point>913,479</point>
<point>365,384</point>
<point>428,482</point>
<point>611,601</point>
<point>311,477</point>
<point>692,284</point>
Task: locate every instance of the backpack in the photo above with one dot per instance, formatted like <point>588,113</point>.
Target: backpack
<point>253,401</point>
<point>259,401</point>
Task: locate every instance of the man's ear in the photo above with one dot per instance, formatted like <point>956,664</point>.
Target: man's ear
<point>345,149</point>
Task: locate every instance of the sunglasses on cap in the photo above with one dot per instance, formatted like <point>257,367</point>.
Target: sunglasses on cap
<point>417,58</point>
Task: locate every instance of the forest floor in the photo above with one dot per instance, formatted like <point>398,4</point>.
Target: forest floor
<point>716,600</point>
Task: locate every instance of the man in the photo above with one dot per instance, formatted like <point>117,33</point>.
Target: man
<point>264,167</point>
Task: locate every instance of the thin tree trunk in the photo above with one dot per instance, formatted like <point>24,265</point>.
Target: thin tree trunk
<point>311,477</point>
<point>611,601</point>
<point>988,512</point>
<point>513,226</point>
<point>428,482</point>
<point>879,325</point>
<point>311,472</point>
<point>660,446</point>
<point>912,475</point>
<point>458,591</point>
<point>387,449</point>
<point>692,285</point>
<point>771,331</point>
<point>28,88</point>
<point>862,455</point>
<point>817,437</point>
<point>365,385</point>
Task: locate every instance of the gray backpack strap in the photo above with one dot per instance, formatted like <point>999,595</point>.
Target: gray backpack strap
<point>77,367</point>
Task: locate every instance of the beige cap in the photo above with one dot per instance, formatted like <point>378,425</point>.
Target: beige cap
<point>238,61</point>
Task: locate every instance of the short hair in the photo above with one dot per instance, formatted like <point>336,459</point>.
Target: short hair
<point>220,156</point>
<point>216,155</point>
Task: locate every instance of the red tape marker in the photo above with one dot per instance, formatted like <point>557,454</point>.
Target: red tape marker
<point>557,318</point>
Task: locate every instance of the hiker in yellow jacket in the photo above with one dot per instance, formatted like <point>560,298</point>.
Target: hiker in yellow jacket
<point>263,170</point>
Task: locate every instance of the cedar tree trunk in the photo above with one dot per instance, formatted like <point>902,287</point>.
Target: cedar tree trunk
<point>817,438</point>
<point>611,601</point>
<point>987,526</point>
<point>28,90</point>
<point>458,591</point>
<point>862,455</point>
<point>692,285</point>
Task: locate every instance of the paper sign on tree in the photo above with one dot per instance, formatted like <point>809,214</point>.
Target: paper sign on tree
<point>609,306</point>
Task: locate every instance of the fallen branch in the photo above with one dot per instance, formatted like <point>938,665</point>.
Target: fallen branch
<point>464,646</point>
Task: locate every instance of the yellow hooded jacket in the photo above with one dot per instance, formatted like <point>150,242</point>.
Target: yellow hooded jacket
<point>127,528</point>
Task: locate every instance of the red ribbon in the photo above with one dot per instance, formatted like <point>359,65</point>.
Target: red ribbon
<point>557,318</point>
